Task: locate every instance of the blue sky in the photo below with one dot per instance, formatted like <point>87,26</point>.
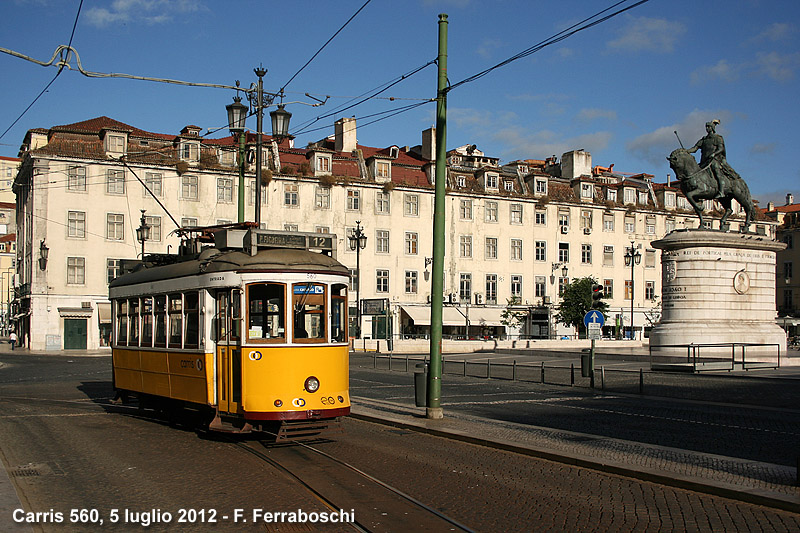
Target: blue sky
<point>618,90</point>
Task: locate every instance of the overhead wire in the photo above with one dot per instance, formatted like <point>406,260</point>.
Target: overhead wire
<point>558,37</point>
<point>324,45</point>
<point>60,69</point>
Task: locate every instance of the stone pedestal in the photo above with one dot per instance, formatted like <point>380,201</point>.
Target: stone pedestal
<point>718,287</point>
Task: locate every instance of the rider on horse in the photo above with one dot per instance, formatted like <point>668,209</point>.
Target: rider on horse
<point>712,156</point>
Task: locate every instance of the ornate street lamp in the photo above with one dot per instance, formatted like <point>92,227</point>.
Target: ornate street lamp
<point>237,113</point>
<point>358,241</point>
<point>142,232</point>
<point>632,258</point>
<point>44,252</point>
<point>237,116</point>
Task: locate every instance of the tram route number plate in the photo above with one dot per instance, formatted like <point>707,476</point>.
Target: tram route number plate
<point>293,241</point>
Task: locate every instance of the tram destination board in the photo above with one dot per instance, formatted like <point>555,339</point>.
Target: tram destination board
<point>293,240</point>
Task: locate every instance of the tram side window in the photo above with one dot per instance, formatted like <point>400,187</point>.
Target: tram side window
<point>147,321</point>
<point>122,322</point>
<point>339,313</point>
<point>236,315</point>
<point>161,320</point>
<point>133,319</point>
<point>266,311</point>
<point>175,320</point>
<point>308,303</point>
<point>192,317</point>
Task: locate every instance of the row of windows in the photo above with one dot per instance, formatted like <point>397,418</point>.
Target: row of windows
<point>491,292</point>
<point>165,320</point>
<point>115,226</point>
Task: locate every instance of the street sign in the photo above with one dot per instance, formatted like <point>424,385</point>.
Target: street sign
<point>595,330</point>
<point>594,317</point>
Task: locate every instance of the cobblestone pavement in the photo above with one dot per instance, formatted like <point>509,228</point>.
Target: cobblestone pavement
<point>736,448</point>
<point>64,448</point>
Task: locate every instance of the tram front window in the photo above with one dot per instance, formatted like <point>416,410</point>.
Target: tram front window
<point>266,317</point>
<point>308,302</point>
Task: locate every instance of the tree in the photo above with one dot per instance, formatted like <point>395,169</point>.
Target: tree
<point>511,317</point>
<point>653,315</point>
<point>577,301</point>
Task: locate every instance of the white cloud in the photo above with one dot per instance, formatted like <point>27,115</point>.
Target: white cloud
<point>146,11</point>
<point>648,34</point>
<point>722,70</point>
<point>778,67</point>
<point>655,146</point>
<point>589,114</point>
<point>763,148</point>
<point>778,31</point>
<point>487,47</point>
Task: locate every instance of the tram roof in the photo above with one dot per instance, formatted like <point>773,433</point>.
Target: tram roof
<point>213,260</point>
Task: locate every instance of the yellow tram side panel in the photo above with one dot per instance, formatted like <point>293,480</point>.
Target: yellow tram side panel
<point>280,373</point>
<point>181,376</point>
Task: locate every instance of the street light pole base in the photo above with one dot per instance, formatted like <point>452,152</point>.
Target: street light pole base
<point>434,413</point>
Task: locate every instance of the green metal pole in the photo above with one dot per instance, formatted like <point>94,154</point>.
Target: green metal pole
<point>241,175</point>
<point>434,408</point>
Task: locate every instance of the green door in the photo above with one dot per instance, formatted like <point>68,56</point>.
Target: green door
<point>74,333</point>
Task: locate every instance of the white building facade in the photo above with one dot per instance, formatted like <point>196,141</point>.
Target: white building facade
<point>515,233</point>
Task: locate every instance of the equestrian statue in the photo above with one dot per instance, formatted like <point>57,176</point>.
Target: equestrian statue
<point>711,179</point>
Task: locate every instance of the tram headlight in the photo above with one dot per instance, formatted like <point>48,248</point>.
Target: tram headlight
<point>278,403</point>
<point>312,384</point>
<point>341,400</point>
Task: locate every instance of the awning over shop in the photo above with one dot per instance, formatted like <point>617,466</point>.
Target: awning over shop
<point>454,316</point>
<point>786,321</point>
<point>75,312</point>
<point>104,312</point>
<point>485,316</point>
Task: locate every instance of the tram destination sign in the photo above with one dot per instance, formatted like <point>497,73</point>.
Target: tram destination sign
<point>301,241</point>
<point>374,306</point>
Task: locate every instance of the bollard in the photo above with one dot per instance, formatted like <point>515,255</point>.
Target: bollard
<point>572,374</point>
<point>406,362</point>
<point>390,362</point>
<point>542,372</point>
<point>603,378</point>
<point>488,369</point>
<point>641,381</point>
<point>514,370</point>
<point>374,361</point>
<point>465,367</point>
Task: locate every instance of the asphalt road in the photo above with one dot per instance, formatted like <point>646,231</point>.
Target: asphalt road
<point>66,448</point>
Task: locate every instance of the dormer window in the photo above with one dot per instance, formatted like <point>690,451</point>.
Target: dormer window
<point>491,181</point>
<point>227,158</point>
<point>669,199</point>
<point>394,152</point>
<point>382,169</point>
<point>190,151</point>
<point>461,181</point>
<point>643,197</point>
<point>611,195</point>
<point>322,164</point>
<point>508,185</point>
<point>116,143</point>
<point>540,186</point>
<point>630,196</point>
<point>586,190</point>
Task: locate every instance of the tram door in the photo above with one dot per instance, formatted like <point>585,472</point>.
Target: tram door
<point>227,317</point>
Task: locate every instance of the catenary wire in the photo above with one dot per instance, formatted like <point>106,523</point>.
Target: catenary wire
<point>324,45</point>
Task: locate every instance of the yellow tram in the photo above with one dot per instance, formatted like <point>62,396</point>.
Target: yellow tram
<point>252,331</point>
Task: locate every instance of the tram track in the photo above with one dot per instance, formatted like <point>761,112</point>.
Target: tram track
<point>377,506</point>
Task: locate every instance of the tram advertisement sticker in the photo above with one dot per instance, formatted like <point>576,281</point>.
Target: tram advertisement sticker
<point>309,289</point>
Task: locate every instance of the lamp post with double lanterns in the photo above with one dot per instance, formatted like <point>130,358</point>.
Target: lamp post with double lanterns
<point>237,115</point>
<point>358,241</point>
<point>632,258</point>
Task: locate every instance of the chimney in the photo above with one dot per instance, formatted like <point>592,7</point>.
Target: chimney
<point>429,144</point>
<point>345,135</point>
<point>770,206</point>
<point>575,164</point>
<point>789,199</point>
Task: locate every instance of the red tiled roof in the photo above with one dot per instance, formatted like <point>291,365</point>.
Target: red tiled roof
<point>95,125</point>
<point>11,237</point>
<point>4,158</point>
<point>8,205</point>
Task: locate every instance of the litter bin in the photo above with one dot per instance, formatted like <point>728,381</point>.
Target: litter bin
<point>421,384</point>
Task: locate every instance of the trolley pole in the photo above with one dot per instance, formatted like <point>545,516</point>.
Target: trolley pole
<point>434,408</point>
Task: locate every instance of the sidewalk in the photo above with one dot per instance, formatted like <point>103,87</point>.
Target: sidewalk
<point>739,479</point>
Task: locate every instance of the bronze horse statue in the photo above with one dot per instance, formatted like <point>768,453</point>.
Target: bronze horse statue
<point>699,184</point>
